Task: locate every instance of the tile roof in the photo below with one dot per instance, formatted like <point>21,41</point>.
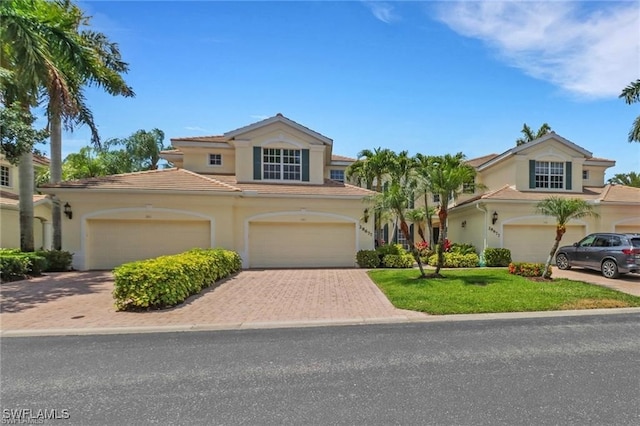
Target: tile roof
<point>329,188</point>
<point>606,194</point>
<point>215,138</point>
<point>335,157</point>
<point>160,180</point>
<point>11,199</point>
<point>184,180</point>
<point>475,162</point>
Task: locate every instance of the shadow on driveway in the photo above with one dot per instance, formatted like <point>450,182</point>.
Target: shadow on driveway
<point>18,296</point>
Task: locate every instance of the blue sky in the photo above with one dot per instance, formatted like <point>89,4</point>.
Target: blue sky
<point>429,77</point>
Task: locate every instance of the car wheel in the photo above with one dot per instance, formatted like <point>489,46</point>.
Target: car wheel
<point>610,269</point>
<point>562,262</point>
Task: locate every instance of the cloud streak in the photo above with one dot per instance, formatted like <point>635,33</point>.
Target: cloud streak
<point>588,51</point>
<point>384,12</point>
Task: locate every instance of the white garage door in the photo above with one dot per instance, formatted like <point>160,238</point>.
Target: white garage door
<point>113,242</point>
<point>532,243</point>
<point>282,245</point>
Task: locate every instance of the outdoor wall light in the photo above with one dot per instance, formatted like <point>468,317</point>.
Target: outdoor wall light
<point>464,223</point>
<point>494,218</point>
<point>366,216</point>
<point>67,211</point>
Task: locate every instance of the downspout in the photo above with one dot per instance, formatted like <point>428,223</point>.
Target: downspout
<point>484,233</point>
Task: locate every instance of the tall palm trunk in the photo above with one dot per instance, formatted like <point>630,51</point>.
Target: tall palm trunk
<point>442,215</point>
<point>407,235</point>
<point>25,171</point>
<point>560,230</point>
<point>55,176</point>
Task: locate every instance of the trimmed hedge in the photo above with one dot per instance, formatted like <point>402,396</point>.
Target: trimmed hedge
<point>57,260</point>
<point>404,260</point>
<point>456,260</point>
<point>16,265</point>
<point>368,259</point>
<point>526,269</point>
<point>168,280</point>
<point>497,256</point>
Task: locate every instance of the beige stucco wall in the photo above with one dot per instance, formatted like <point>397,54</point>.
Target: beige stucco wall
<point>514,213</point>
<point>230,215</point>
<point>10,227</point>
<point>197,160</point>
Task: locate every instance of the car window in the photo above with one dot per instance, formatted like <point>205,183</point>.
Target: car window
<point>600,242</point>
<point>635,242</point>
<point>615,242</point>
<point>587,241</point>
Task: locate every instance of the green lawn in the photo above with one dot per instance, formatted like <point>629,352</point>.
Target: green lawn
<point>467,291</point>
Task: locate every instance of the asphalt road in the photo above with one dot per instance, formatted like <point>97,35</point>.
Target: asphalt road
<point>569,371</point>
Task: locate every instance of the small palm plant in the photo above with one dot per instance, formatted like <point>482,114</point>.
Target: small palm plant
<point>563,210</point>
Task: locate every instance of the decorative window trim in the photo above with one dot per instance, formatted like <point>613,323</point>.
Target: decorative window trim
<point>5,176</point>
<point>217,160</point>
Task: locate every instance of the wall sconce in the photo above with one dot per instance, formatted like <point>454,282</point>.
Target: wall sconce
<point>494,218</point>
<point>464,223</point>
<point>67,211</point>
<point>366,216</point>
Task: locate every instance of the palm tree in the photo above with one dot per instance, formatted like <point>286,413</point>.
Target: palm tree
<point>528,135</point>
<point>395,199</point>
<point>143,148</point>
<point>34,41</point>
<point>423,187</point>
<point>418,217</point>
<point>631,94</point>
<point>628,179</point>
<point>98,63</point>
<point>372,167</point>
<point>564,210</point>
<point>445,176</point>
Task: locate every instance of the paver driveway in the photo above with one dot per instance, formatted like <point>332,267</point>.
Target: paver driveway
<point>76,300</point>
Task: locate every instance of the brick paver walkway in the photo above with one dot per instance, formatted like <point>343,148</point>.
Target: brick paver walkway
<point>83,300</point>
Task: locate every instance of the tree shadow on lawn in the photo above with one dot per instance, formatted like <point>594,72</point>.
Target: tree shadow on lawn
<point>467,279</point>
<point>21,295</point>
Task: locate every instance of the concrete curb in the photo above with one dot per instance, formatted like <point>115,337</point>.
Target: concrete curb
<point>311,323</point>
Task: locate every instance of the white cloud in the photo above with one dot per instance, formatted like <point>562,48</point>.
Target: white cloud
<point>195,128</point>
<point>382,11</point>
<point>589,49</point>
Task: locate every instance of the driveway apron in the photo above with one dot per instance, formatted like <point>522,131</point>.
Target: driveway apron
<point>76,300</point>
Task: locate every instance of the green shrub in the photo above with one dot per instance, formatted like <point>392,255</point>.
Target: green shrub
<point>16,265</point>
<point>497,256</point>
<point>57,260</point>
<point>404,260</point>
<point>526,269</point>
<point>386,249</point>
<point>462,248</point>
<point>168,280</point>
<point>456,260</point>
<point>13,268</point>
<point>368,259</point>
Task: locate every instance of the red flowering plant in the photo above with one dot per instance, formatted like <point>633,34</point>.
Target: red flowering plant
<point>447,245</point>
<point>423,248</point>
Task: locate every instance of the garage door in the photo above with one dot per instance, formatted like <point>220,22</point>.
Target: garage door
<point>532,243</point>
<point>113,242</point>
<point>281,245</point>
<point>628,229</point>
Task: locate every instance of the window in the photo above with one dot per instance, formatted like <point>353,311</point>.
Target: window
<point>585,174</point>
<point>401,239</point>
<point>436,198</point>
<point>469,187</point>
<point>549,174</point>
<point>337,175</point>
<point>281,164</point>
<point>215,159</point>
<point>4,176</point>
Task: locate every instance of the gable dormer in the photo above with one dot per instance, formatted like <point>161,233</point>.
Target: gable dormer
<point>548,164</point>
